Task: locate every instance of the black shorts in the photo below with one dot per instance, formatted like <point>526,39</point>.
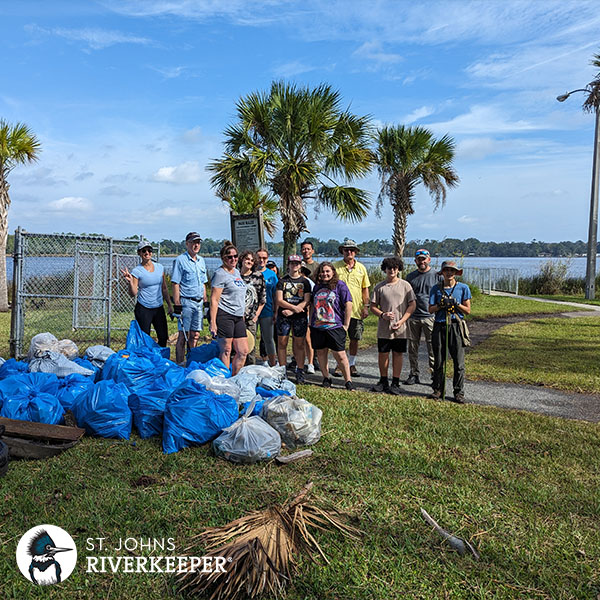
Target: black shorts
<point>230,326</point>
<point>397,345</point>
<point>334,339</point>
<point>298,324</point>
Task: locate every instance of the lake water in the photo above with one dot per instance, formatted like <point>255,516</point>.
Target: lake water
<point>54,265</point>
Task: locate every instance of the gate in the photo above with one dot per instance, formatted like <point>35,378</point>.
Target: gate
<point>70,285</point>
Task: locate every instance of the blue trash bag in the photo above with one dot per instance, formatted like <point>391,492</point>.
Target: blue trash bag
<point>103,410</point>
<point>86,364</point>
<point>136,339</point>
<point>30,405</point>
<point>170,379</point>
<point>265,393</point>
<point>28,383</point>
<point>257,406</point>
<point>113,364</point>
<point>203,353</point>
<point>148,408</point>
<point>70,387</point>
<point>12,366</point>
<point>215,366</point>
<point>195,415</point>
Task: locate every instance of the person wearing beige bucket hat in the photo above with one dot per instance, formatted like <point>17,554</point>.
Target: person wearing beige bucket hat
<point>354,275</point>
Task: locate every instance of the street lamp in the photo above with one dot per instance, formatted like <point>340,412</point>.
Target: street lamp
<point>590,271</point>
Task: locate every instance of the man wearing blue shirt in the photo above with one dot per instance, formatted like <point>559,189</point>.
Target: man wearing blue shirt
<point>449,302</point>
<point>189,293</point>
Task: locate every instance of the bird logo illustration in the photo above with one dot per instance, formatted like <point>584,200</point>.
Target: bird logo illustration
<point>44,569</point>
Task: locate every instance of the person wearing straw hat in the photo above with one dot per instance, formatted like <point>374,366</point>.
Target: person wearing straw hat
<point>422,279</point>
<point>147,282</point>
<point>449,301</point>
<point>189,293</point>
<point>354,275</point>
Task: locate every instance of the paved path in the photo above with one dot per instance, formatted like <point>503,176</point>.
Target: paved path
<point>533,398</point>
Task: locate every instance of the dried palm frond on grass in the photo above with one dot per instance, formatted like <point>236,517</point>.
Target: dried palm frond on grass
<point>263,547</point>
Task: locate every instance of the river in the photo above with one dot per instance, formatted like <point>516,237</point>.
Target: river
<point>55,265</point>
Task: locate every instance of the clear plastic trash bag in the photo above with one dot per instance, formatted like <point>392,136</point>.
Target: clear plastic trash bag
<point>297,421</point>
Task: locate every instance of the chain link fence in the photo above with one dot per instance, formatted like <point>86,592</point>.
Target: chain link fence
<point>70,285</point>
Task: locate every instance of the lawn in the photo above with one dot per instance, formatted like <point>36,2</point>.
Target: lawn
<point>522,487</point>
<point>560,353</point>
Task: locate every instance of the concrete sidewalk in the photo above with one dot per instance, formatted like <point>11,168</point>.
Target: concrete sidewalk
<point>533,398</point>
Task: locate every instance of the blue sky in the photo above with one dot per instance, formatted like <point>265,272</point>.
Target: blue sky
<point>130,98</point>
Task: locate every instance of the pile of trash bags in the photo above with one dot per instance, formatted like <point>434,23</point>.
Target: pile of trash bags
<point>111,392</point>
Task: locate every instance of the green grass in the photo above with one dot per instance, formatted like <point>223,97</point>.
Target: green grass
<point>522,487</point>
<point>580,299</point>
<point>560,353</point>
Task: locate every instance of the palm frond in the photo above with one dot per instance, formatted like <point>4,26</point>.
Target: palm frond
<point>349,203</point>
<point>18,145</point>
<point>263,547</point>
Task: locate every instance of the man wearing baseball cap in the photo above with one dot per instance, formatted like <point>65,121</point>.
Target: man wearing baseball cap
<point>189,293</point>
<point>355,276</point>
<point>422,279</point>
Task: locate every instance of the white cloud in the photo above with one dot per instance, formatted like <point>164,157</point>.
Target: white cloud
<point>170,72</point>
<point>97,39</point>
<point>418,113</point>
<point>373,51</point>
<point>187,172</point>
<point>193,135</point>
<point>71,204</point>
<point>290,69</point>
<point>467,219</point>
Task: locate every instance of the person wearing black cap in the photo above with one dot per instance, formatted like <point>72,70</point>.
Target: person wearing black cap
<point>189,293</point>
<point>147,282</point>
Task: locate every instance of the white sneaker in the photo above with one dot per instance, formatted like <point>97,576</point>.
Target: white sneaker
<point>310,369</point>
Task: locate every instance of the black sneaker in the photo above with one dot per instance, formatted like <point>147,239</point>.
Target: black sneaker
<point>381,387</point>
<point>396,390</point>
<point>337,372</point>
<point>326,382</point>
<point>435,395</point>
<point>349,386</point>
<point>292,364</point>
<point>300,376</point>
<point>354,372</point>
<point>459,398</point>
<point>412,379</point>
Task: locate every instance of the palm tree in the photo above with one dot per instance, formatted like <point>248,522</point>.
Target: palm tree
<point>592,100</point>
<point>406,157</point>
<point>243,200</point>
<point>18,146</point>
<point>295,141</point>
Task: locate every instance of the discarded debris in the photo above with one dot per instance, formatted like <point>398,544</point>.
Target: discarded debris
<point>284,460</point>
<point>261,549</point>
<point>461,546</point>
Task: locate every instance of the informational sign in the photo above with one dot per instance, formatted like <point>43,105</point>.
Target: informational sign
<point>247,231</point>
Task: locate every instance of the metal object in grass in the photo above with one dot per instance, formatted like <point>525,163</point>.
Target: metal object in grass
<point>461,546</point>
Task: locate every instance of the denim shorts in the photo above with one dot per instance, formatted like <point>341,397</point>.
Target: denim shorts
<point>191,315</point>
<point>298,324</point>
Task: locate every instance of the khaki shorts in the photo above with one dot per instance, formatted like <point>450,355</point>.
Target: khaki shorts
<point>356,329</point>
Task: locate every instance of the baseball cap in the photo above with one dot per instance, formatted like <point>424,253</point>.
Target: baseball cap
<point>144,244</point>
<point>421,252</point>
<point>295,258</point>
<point>450,264</point>
<point>193,236</point>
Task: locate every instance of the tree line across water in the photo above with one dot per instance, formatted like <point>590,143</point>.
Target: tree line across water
<point>445,247</point>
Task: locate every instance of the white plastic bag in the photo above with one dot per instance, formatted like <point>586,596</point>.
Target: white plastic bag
<point>248,440</point>
<point>68,348</point>
<point>98,355</point>
<point>297,421</point>
<point>57,363</point>
<point>42,343</point>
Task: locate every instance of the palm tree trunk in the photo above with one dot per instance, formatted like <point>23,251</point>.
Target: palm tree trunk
<point>293,217</point>
<point>399,235</point>
<point>289,246</point>
<point>4,204</point>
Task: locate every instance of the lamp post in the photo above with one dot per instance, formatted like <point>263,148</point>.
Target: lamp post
<point>590,271</point>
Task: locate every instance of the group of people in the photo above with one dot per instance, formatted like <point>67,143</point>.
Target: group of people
<point>319,304</point>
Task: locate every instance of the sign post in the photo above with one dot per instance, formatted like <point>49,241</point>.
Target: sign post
<point>247,232</point>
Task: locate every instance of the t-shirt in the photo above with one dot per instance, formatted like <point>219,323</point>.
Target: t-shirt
<point>149,285</point>
<point>293,290</point>
<point>329,306</point>
<point>421,284</point>
<point>392,297</point>
<point>460,292</point>
<point>356,279</point>
<point>190,275</point>
<point>255,293</point>
<point>312,268</point>
<point>233,296</point>
<point>271,280</point>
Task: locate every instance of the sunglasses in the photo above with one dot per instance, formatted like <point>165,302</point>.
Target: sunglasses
<point>421,254</point>
<point>231,256</point>
<point>144,250</point>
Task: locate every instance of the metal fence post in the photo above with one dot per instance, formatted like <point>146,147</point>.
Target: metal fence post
<point>16,316</point>
<point>109,295</point>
